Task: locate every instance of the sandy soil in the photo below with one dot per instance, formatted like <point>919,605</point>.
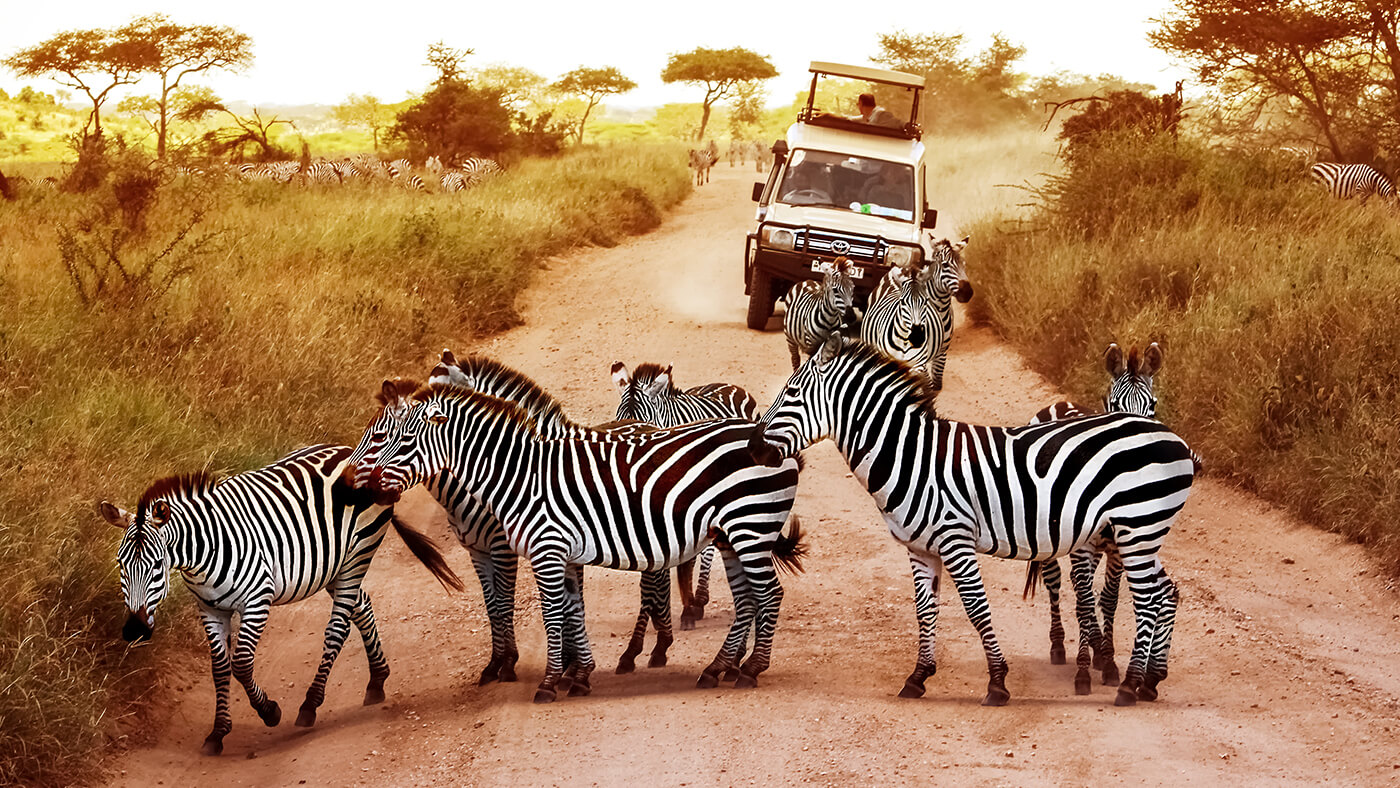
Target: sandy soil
<point>1284,666</point>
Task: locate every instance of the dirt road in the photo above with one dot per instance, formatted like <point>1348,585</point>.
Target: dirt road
<point>1284,667</point>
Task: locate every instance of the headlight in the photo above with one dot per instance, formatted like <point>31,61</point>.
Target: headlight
<point>903,256</point>
<point>778,238</point>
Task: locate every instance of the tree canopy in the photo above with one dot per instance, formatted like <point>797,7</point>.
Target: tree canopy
<point>455,120</point>
<point>961,92</point>
<point>93,61</point>
<point>366,112</point>
<point>719,71</point>
<point>592,84</point>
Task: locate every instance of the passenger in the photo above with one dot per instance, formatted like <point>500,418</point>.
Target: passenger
<point>875,115</point>
<point>889,188</point>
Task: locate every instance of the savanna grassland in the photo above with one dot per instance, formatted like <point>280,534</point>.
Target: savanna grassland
<point>219,325</point>
<point>1275,305</point>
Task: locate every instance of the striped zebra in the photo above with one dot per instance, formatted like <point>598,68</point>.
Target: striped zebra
<point>453,181</point>
<point>476,170</point>
<point>650,396</point>
<point>816,309</point>
<point>322,173</point>
<point>401,172</point>
<point>643,502</point>
<point>1345,181</point>
<point>910,317</point>
<point>701,160</point>
<point>481,533</point>
<point>266,537</point>
<point>1129,391</point>
<point>950,491</point>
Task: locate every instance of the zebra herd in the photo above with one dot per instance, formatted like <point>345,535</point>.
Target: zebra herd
<point>682,474</point>
<point>741,152</point>
<point>367,168</point>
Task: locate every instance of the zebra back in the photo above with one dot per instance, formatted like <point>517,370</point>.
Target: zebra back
<point>649,395</point>
<point>1344,181</point>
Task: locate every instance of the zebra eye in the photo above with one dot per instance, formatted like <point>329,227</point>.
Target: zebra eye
<point>437,418</point>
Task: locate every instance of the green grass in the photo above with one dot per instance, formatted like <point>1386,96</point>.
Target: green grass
<point>276,340</point>
<point>1274,303</point>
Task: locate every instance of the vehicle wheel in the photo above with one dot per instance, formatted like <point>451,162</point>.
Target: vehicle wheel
<point>760,299</point>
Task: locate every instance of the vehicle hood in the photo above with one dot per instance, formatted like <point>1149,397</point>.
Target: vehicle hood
<point>843,221</point>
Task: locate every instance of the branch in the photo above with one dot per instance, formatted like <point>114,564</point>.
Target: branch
<point>1059,105</point>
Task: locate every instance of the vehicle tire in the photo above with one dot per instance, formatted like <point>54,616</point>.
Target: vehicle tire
<point>760,299</point>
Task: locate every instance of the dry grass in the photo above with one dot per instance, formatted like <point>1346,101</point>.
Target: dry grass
<point>1273,302</point>
<point>274,340</point>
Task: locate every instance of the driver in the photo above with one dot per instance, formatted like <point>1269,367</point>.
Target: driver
<point>804,185</point>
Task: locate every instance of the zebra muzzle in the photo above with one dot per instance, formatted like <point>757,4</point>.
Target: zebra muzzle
<point>139,627</point>
<point>918,335</point>
<point>964,291</point>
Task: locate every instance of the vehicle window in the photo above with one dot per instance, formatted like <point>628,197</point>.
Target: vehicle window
<point>850,183</point>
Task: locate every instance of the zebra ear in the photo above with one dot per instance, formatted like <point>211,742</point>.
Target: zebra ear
<point>158,514</point>
<point>1113,360</point>
<point>620,376</point>
<point>829,350</point>
<point>960,245</point>
<point>1152,360</point>
<point>660,384</point>
<point>115,515</point>
<point>448,358</point>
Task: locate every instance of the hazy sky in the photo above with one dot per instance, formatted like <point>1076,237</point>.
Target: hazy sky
<point>309,52</point>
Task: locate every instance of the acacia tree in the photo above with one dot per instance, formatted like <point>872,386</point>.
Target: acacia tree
<point>746,109</point>
<point>93,61</point>
<point>960,91</point>
<point>518,86</point>
<point>181,50</point>
<point>189,104</point>
<point>447,61</point>
<point>719,70</point>
<point>366,112</point>
<point>592,84</point>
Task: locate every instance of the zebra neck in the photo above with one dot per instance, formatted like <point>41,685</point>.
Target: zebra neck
<point>191,541</point>
<point>494,462</point>
<point>877,437</point>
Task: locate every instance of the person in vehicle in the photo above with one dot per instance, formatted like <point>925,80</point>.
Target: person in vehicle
<point>873,114</point>
<point>804,186</point>
<point>889,188</point>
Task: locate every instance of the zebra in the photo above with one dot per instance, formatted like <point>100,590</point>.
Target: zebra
<point>761,156</point>
<point>1130,391</point>
<point>816,309</point>
<point>641,502</point>
<point>481,533</point>
<point>322,172</point>
<point>266,537</point>
<point>650,396</point>
<point>910,317</point>
<point>701,160</point>
<point>401,172</point>
<point>1344,181</point>
<point>476,170</point>
<point>950,490</point>
<point>453,181</point>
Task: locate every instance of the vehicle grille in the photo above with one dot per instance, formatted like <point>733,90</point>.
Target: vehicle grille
<point>866,250</point>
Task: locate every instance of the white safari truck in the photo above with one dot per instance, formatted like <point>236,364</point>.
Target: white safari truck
<point>840,186</point>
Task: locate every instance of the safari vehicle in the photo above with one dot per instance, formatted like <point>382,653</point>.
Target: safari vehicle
<point>840,187</point>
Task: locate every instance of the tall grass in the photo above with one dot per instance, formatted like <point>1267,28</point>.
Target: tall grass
<point>1275,304</point>
<point>299,303</point>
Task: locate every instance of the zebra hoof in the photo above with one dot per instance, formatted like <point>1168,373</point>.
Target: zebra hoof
<point>374,694</point>
<point>694,612</point>
<point>1057,655</point>
<point>271,715</point>
<point>1126,697</point>
<point>543,695</point>
<point>1147,692</point>
<point>306,717</point>
<point>625,665</point>
<point>658,660</point>
<point>490,673</point>
<point>1083,682</point>
<point>745,681</point>
<point>687,623</point>
<point>213,746</point>
<point>507,673</point>
<point>996,697</point>
<point>707,681</point>
<point>580,689</point>
<point>912,690</point>
<point>1111,678</point>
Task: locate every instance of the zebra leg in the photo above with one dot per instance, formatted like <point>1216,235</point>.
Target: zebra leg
<point>1108,608</point>
<point>685,576</point>
<point>344,603</point>
<point>1161,641</point>
<point>251,621</point>
<point>505,563</point>
<point>217,627</point>
<point>925,569</point>
<point>796,356</point>
<point>362,616</point>
<point>485,572</point>
<point>702,581</point>
<point>1143,581</point>
<point>768,597</point>
<point>744,608</point>
<point>549,577</point>
<point>1081,570</point>
<point>961,560</point>
<point>628,661</point>
<point>1052,578</point>
<point>656,596</point>
<point>583,664</point>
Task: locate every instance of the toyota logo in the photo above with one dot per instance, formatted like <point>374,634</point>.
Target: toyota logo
<point>840,247</point>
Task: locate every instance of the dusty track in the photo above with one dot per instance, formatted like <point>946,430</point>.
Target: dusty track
<point>1284,667</point>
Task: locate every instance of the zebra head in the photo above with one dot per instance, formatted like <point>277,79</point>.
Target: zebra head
<point>406,444</point>
<point>640,395</point>
<point>803,413</point>
<point>839,290</point>
<point>1131,389</point>
<point>395,398</point>
<point>947,261</point>
<point>144,559</point>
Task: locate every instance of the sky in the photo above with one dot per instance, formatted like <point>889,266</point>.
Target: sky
<point>318,53</point>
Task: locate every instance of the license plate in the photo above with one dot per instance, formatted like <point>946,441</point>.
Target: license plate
<point>825,267</point>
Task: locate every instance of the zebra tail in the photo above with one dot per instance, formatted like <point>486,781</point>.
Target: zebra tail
<point>789,550</point>
<point>1032,579</point>
<point>425,550</point>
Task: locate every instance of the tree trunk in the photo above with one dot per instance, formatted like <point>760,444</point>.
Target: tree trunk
<point>704,121</point>
<point>584,121</point>
<point>5,191</point>
<point>160,132</point>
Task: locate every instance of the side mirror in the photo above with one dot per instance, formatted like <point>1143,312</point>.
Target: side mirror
<point>930,218</point>
<point>758,191</point>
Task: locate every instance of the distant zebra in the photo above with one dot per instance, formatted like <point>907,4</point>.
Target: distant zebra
<point>322,172</point>
<point>1352,180</point>
<point>650,396</point>
<point>266,537</point>
<point>910,317</point>
<point>816,309</point>
<point>762,156</point>
<point>701,160</point>
<point>643,502</point>
<point>949,491</point>
<point>453,181</point>
<point>477,170</point>
<point>401,172</point>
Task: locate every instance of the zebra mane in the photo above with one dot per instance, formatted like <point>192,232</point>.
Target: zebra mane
<point>868,358</point>
<point>510,410</point>
<point>527,394</point>
<point>181,485</point>
<point>647,372</point>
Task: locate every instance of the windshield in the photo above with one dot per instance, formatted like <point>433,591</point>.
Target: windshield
<point>849,183</point>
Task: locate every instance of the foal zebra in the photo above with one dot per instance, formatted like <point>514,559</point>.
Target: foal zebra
<point>950,491</point>
<point>1352,180</point>
<point>262,538</point>
<point>644,502</point>
<point>911,312</point>
<point>650,396</point>
<point>816,309</point>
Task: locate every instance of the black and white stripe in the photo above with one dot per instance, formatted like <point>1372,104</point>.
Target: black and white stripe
<point>950,491</point>
<point>644,502</point>
<point>701,160</point>
<point>911,312</point>
<point>1352,180</point>
<point>476,170</point>
<point>243,544</point>
<point>816,309</point>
